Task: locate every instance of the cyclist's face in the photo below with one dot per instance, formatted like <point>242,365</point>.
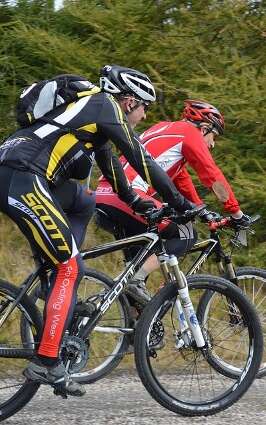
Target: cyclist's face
<point>209,138</point>
<point>138,114</point>
<point>134,109</point>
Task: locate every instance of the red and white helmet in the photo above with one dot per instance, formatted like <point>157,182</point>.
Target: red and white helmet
<point>199,112</point>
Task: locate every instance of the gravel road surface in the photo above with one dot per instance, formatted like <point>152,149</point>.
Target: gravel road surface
<point>121,399</point>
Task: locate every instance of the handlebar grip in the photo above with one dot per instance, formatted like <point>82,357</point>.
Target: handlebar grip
<point>214,225</point>
<point>225,222</point>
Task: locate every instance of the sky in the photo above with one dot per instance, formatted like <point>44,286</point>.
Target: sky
<point>58,3</point>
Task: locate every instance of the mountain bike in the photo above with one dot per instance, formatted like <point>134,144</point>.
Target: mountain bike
<point>251,280</point>
<point>18,342</point>
<point>118,327</point>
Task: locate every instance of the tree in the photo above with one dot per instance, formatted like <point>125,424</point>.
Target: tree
<point>212,49</point>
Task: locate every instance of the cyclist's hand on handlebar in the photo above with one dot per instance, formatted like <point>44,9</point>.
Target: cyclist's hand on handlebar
<point>206,216</point>
<point>140,206</point>
<point>189,214</point>
<point>155,216</point>
<point>241,223</point>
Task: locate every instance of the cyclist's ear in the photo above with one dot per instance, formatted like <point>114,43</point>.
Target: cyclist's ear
<point>127,103</point>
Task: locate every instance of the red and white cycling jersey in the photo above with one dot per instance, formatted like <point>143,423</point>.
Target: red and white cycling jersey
<point>173,145</point>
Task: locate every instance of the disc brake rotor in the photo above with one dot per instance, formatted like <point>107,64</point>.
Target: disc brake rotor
<point>156,334</point>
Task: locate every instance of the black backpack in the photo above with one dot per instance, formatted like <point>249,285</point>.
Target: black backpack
<point>42,97</point>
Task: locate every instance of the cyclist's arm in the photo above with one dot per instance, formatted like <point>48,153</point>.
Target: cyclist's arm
<point>114,173</point>
<point>198,156</point>
<point>183,182</point>
<point>117,129</point>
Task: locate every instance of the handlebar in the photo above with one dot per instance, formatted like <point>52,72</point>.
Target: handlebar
<point>215,225</point>
<point>155,216</point>
<point>226,222</point>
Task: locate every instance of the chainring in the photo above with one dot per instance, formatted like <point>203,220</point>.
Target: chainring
<point>75,350</point>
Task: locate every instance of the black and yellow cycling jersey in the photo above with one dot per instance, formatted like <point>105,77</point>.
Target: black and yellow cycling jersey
<point>57,154</point>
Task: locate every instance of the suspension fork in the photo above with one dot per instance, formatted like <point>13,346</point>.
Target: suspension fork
<point>224,261</point>
<point>185,311</point>
<point>226,268</point>
<point>230,272</point>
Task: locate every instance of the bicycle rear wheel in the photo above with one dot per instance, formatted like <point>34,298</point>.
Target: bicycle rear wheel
<point>181,377</point>
<point>15,390</point>
<point>252,282</point>
<point>107,344</point>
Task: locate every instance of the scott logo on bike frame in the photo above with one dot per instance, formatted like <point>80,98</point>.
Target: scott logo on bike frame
<point>117,289</point>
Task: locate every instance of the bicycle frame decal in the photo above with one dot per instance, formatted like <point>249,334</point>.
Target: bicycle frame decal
<point>206,248</point>
<point>149,239</point>
<point>118,288</point>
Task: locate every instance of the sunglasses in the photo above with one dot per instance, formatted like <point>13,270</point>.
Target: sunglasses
<point>146,106</point>
<point>211,130</point>
<point>215,132</point>
<point>142,102</point>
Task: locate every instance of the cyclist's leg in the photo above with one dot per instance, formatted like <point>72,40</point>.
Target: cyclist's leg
<point>120,224</point>
<point>78,202</point>
<point>40,217</point>
<point>179,239</point>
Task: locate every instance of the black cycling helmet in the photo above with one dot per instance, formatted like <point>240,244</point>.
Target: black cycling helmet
<point>199,111</point>
<point>117,80</point>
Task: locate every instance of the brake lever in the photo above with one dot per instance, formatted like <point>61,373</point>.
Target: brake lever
<point>240,238</point>
<point>235,242</point>
<point>255,218</point>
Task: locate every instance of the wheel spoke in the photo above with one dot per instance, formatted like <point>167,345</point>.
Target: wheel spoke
<point>253,282</point>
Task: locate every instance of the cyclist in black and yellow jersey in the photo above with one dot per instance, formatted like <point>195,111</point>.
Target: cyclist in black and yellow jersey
<point>37,161</point>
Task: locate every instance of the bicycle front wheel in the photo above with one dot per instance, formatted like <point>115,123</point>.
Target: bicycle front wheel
<point>179,375</point>
<point>15,390</point>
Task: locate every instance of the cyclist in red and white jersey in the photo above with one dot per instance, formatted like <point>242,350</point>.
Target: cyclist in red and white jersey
<point>174,145</point>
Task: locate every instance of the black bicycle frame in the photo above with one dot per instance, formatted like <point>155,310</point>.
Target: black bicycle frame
<point>210,247</point>
<point>25,287</point>
<point>205,248</point>
<point>152,243</point>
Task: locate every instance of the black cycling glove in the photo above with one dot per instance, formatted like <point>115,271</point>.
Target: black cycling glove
<point>140,206</point>
<point>241,223</point>
<point>207,216</point>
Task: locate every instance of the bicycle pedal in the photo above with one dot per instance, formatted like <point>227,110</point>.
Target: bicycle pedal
<point>60,389</point>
